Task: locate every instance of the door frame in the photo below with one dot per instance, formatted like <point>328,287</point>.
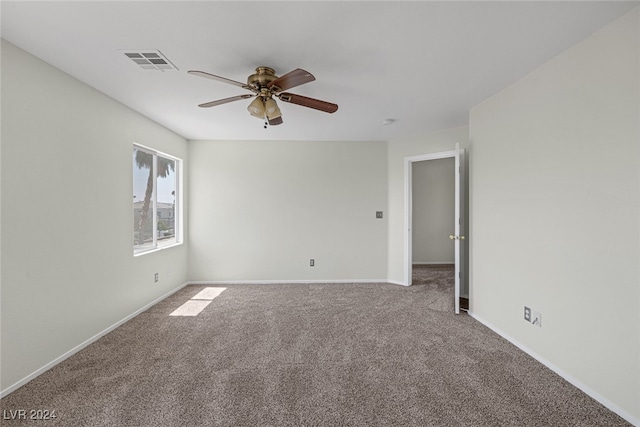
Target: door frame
<point>457,154</point>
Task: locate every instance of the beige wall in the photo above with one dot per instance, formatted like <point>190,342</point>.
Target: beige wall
<point>260,210</point>
<point>555,212</point>
<point>68,271</point>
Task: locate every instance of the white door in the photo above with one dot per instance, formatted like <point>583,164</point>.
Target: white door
<point>458,237</point>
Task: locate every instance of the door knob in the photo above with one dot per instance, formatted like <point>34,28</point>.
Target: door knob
<point>452,237</point>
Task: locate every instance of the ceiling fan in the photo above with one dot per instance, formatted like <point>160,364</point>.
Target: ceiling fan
<point>266,86</point>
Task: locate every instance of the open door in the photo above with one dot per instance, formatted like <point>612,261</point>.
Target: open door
<point>459,238</point>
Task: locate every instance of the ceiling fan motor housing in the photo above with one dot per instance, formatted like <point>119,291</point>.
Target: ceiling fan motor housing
<point>262,77</point>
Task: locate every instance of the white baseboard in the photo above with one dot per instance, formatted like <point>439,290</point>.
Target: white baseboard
<point>299,282</point>
<point>275,282</point>
<point>570,378</point>
<point>79,347</point>
<point>434,263</point>
<point>396,282</point>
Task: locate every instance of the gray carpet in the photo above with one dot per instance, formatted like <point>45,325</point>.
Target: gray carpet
<point>438,282</point>
<point>306,355</point>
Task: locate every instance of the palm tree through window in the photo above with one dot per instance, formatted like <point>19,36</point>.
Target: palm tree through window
<point>154,200</point>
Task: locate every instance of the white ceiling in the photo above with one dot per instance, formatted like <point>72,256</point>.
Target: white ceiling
<point>424,64</point>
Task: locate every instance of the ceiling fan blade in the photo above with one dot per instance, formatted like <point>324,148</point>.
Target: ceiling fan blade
<point>294,78</point>
<point>316,104</point>
<point>225,100</point>
<point>275,121</point>
<point>218,78</point>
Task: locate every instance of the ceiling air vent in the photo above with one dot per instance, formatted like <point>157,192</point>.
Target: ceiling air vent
<point>149,59</point>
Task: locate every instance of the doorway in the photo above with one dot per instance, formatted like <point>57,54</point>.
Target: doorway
<point>433,204</point>
<point>434,223</point>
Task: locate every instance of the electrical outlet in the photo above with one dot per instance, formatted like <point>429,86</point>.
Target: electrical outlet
<point>155,277</point>
<point>378,214</point>
<point>168,272</point>
<point>312,262</point>
<point>536,318</point>
<point>527,314</point>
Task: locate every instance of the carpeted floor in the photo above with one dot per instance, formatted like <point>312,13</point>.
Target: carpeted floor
<point>306,355</point>
<point>438,283</point>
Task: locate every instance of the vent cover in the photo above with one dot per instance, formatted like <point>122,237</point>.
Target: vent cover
<point>150,59</point>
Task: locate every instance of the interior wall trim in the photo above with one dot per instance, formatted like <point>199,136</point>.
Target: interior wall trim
<point>84,344</point>
<point>287,282</point>
<point>568,377</point>
<point>434,263</point>
<point>397,282</point>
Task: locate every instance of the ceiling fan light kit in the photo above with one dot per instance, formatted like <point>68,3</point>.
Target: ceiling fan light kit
<point>256,108</point>
<point>266,85</point>
<point>272,110</point>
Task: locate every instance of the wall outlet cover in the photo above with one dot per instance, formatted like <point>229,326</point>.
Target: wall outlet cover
<point>536,318</point>
<point>527,314</point>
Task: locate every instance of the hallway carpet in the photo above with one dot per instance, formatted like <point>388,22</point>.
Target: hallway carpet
<point>438,283</point>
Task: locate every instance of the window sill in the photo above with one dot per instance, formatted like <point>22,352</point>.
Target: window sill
<point>150,251</point>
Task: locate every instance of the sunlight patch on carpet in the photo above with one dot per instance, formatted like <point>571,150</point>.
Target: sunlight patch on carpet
<point>199,302</point>
<point>209,293</point>
<point>191,308</point>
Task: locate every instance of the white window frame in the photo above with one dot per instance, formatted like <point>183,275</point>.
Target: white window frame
<point>154,216</point>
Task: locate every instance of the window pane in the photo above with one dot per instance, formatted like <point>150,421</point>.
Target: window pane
<point>155,194</point>
<point>142,200</point>
<point>166,205</point>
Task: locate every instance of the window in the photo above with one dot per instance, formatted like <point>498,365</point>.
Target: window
<point>155,200</point>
